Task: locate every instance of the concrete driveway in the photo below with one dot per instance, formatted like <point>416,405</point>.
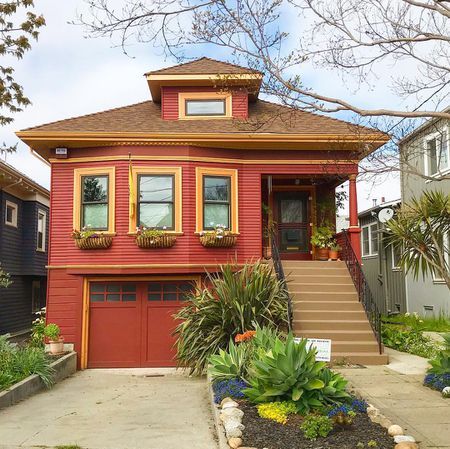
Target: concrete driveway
<point>114,409</point>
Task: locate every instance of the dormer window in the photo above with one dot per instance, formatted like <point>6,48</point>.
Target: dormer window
<point>197,105</point>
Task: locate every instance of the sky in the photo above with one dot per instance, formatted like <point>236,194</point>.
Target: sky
<point>67,75</point>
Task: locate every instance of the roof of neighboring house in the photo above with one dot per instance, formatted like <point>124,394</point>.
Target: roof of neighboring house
<point>379,207</point>
<point>16,177</point>
<point>204,66</point>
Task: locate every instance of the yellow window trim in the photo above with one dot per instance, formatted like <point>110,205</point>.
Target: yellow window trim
<point>78,173</point>
<point>177,173</point>
<point>183,96</point>
<point>200,172</point>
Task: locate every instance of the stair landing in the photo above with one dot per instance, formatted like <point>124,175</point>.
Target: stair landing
<point>325,305</point>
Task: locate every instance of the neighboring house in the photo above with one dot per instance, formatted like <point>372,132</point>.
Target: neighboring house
<point>426,153</point>
<point>24,219</point>
<point>381,262</point>
<point>205,151</point>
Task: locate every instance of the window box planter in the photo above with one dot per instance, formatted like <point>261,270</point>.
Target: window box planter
<point>98,242</point>
<point>211,240</point>
<point>161,241</point>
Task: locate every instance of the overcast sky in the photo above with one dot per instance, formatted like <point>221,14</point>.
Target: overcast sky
<point>67,75</point>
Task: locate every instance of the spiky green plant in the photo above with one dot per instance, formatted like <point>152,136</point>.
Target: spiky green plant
<point>441,363</point>
<point>422,228</point>
<point>235,301</point>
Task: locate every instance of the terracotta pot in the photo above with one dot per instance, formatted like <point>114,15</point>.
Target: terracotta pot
<point>322,253</point>
<point>333,255</point>
<point>56,346</point>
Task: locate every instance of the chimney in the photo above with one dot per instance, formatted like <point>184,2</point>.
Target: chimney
<point>383,199</point>
<point>374,202</point>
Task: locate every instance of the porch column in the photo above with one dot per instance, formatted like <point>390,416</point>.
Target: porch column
<point>354,230</point>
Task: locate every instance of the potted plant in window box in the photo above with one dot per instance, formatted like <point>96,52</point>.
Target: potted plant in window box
<point>90,239</point>
<point>154,238</point>
<point>56,342</point>
<point>334,250</point>
<point>321,239</point>
<point>219,237</point>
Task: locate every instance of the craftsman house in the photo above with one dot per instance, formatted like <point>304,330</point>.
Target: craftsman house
<point>24,217</point>
<point>205,151</point>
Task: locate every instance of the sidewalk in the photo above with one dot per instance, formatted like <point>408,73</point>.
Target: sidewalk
<point>397,391</point>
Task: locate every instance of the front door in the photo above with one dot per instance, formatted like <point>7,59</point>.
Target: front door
<point>293,224</point>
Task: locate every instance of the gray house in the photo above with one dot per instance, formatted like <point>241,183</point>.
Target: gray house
<point>380,262</point>
<point>426,166</point>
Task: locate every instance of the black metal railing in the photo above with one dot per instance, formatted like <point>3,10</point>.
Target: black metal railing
<point>364,294</point>
<point>278,267</point>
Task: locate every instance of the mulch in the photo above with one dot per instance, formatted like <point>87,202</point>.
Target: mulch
<point>265,433</point>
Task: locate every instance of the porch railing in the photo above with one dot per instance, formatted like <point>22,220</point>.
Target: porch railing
<point>364,294</point>
<point>278,267</point>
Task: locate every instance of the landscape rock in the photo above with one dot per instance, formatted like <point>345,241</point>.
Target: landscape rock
<point>446,392</point>
<point>233,413</point>
<point>406,445</point>
<point>372,411</point>
<point>234,443</point>
<point>233,428</point>
<point>225,400</point>
<point>395,430</point>
<point>229,404</point>
<point>404,439</point>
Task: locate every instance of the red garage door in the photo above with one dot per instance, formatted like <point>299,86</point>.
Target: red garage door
<point>131,323</point>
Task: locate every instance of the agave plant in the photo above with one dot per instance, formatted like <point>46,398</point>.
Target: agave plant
<point>235,301</point>
<point>441,363</point>
<point>288,371</point>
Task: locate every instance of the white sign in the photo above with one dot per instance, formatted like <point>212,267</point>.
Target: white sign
<point>61,151</point>
<point>322,346</point>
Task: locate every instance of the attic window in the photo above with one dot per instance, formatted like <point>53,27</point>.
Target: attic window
<point>205,107</point>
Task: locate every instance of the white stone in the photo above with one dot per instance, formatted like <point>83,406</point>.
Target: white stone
<point>224,400</point>
<point>446,392</point>
<point>233,428</point>
<point>406,445</point>
<point>229,404</point>
<point>404,439</point>
<point>395,430</point>
<point>233,413</point>
<point>234,443</point>
<point>372,411</point>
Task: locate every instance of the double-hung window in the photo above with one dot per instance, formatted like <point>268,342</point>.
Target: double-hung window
<point>11,213</point>
<point>94,199</point>
<point>369,240</point>
<point>41,228</point>
<point>437,154</point>
<point>156,201</point>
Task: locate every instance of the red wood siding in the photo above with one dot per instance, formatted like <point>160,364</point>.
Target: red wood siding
<point>169,101</point>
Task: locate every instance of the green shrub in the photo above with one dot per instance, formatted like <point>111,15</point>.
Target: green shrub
<point>441,363</point>
<point>235,302</point>
<point>277,411</point>
<point>17,363</point>
<point>440,323</point>
<point>408,340</point>
<point>288,371</point>
<point>314,426</point>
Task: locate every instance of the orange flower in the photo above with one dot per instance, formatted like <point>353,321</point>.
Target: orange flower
<point>248,335</point>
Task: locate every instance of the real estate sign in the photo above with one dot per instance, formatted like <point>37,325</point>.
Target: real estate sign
<point>322,346</point>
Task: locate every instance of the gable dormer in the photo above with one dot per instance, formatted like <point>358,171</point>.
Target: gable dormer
<point>204,89</point>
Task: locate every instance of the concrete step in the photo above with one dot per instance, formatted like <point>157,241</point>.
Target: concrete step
<point>304,295</point>
<point>341,315</point>
<point>319,278</point>
<point>295,287</point>
<point>360,358</point>
<point>315,270</point>
<point>300,325</point>
<point>312,264</point>
<point>354,346</point>
<point>353,305</point>
<point>336,335</point>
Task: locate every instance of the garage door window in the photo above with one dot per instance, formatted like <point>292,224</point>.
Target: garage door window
<point>100,292</point>
<point>169,291</point>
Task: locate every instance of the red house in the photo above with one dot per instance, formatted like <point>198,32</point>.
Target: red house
<point>205,151</point>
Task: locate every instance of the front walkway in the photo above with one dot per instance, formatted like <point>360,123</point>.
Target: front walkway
<point>397,391</point>
<point>114,409</point>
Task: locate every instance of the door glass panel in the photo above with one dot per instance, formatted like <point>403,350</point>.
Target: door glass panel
<point>154,287</point>
<point>113,297</point>
<point>154,296</point>
<point>293,211</point>
<point>96,288</point>
<point>294,240</point>
<point>97,298</point>
<point>129,297</point>
<point>129,287</point>
<point>113,288</point>
<point>169,296</point>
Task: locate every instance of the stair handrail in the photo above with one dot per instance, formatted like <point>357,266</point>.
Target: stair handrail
<point>365,295</point>
<point>279,271</point>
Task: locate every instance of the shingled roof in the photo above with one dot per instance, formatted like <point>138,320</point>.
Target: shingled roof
<point>264,117</point>
<point>204,66</point>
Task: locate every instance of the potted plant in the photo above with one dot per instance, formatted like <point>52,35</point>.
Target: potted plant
<point>321,240</point>
<point>56,342</point>
<point>219,237</point>
<point>334,250</point>
<point>90,239</point>
<point>154,238</point>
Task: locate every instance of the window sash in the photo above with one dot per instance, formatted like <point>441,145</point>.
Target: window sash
<point>85,204</point>
<point>191,102</point>
<point>11,213</point>
<point>437,154</point>
<point>171,202</point>
<point>206,202</point>
<point>369,240</point>
<point>42,219</point>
